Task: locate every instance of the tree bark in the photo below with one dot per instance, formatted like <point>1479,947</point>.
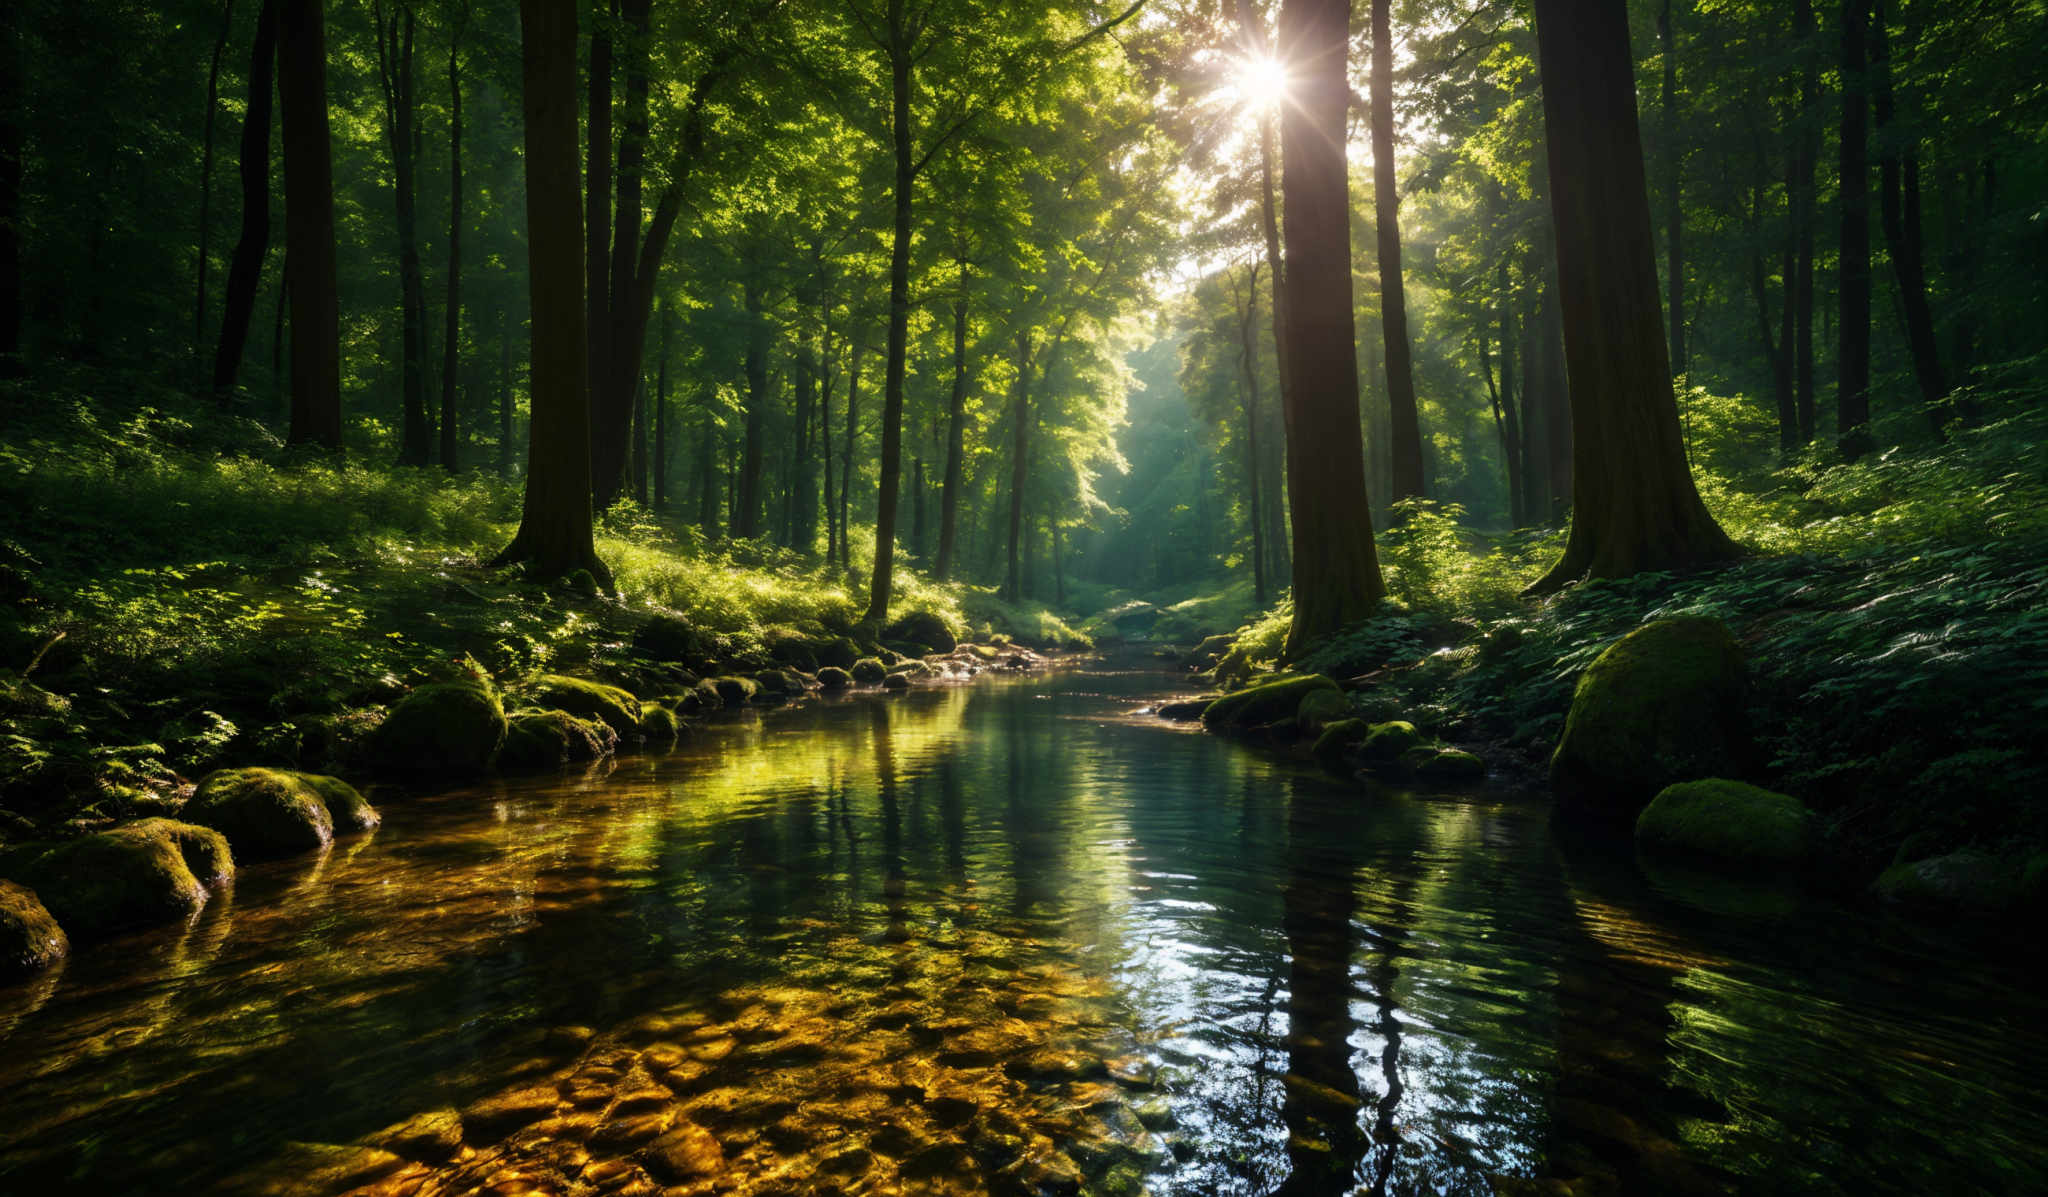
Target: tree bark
<point>746,512</point>
<point>1512,423</point>
<point>1634,507</point>
<point>245,267</point>
<point>846,455</point>
<point>554,531</point>
<point>597,198</point>
<point>1806,30</point>
<point>901,80</point>
<point>667,320</point>
<point>1852,365</point>
<point>395,76</point>
<point>220,49</point>
<point>1248,367</point>
<point>956,432</point>
<point>504,393</point>
<point>451,338</point>
<point>309,226</point>
<point>1336,567</point>
<point>12,98</point>
<point>1899,211</point>
<point>1404,422</point>
<point>1674,175</point>
<point>1020,462</point>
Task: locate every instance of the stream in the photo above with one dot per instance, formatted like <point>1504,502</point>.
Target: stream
<point>1015,937</point>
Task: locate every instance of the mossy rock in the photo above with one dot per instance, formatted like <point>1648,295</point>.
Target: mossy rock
<point>658,724</point>
<point>670,640</point>
<point>1338,738</point>
<point>1664,704</point>
<point>1389,741</point>
<point>275,812</point>
<point>1729,824</point>
<point>869,670</point>
<point>1320,707</point>
<point>915,669</point>
<point>1431,762</point>
<point>986,654</point>
<point>896,681</point>
<point>30,939</point>
<point>547,739</point>
<point>839,652</point>
<point>702,699</point>
<point>148,872</point>
<point>833,678</point>
<point>924,631</point>
<point>1266,703</point>
<point>1969,881</point>
<point>791,649</point>
<point>590,700</point>
<point>445,727</point>
<point>735,691</point>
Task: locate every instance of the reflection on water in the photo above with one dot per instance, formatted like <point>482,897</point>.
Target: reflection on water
<point>1006,939</point>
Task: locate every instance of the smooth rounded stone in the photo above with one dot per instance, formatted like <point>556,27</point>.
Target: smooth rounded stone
<point>569,1038</point>
<point>1447,765</point>
<point>632,1130</point>
<point>1135,1071</point>
<point>444,727</point>
<point>685,1152</point>
<point>1319,708</point>
<point>833,678</point>
<point>605,1173</point>
<point>1729,824</point>
<point>147,872</point>
<point>869,670</point>
<point>1185,710</point>
<point>923,630</point>
<point>322,1168</point>
<point>896,681</point>
<point>1388,741</point>
<point>276,812</point>
<point>30,939</point>
<point>663,1056</point>
<point>548,739</point>
<point>1155,1112</point>
<point>589,1094</point>
<point>499,1115</point>
<point>432,1137</point>
<point>735,691</point>
<point>642,1100</point>
<point>1053,1064</point>
<point>570,1128</point>
<point>1265,703</point>
<point>586,699</point>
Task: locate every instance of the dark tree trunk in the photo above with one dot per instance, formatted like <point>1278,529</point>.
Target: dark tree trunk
<point>1512,424</point>
<point>1674,176</point>
<point>1269,226</point>
<point>803,500</point>
<point>1559,399</point>
<point>12,100</point>
<point>1899,211</point>
<point>1634,507</point>
<point>554,531</point>
<point>451,338</point>
<point>504,393</point>
<point>1807,31</point>
<point>846,456</point>
<point>1776,348</point>
<point>707,473</point>
<point>640,444</point>
<point>220,49</point>
<point>309,226</point>
<point>1852,389</point>
<point>956,433</point>
<point>1404,422</point>
<point>1020,463</point>
<point>1248,366</point>
<point>245,268</point>
<point>667,320</point>
<point>917,491</point>
<point>395,75</point>
<point>826,457</point>
<point>901,80</point>
<point>1336,568</point>
<point>629,304</point>
<point>597,240</point>
<point>746,512</point>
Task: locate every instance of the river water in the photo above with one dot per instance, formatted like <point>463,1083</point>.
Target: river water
<point>1013,937</point>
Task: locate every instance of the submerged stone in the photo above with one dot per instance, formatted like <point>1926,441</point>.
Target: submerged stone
<point>30,939</point>
<point>152,871</point>
<point>275,812</point>
<point>445,727</point>
<point>735,691</point>
<point>1727,823</point>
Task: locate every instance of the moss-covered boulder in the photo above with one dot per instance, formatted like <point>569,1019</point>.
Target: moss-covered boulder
<point>658,724</point>
<point>445,727</point>
<point>1338,738</point>
<point>791,649</point>
<point>833,678</point>
<point>30,939</point>
<point>1268,702</point>
<point>545,739</point>
<point>1664,704</point>
<point>736,691</point>
<point>590,700</point>
<point>1435,763</point>
<point>1729,824</point>
<point>839,652</point>
<point>701,699</point>
<point>1389,741</point>
<point>869,670</point>
<point>896,681</point>
<point>267,813</point>
<point>1319,707</point>
<point>922,631</point>
<point>670,641</point>
<point>1965,882</point>
<point>152,871</point>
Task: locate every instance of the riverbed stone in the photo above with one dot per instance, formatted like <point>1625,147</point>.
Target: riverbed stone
<point>922,631</point>
<point>1388,741</point>
<point>267,813</point>
<point>736,691</point>
<point>431,1136</point>
<point>1338,738</point>
<point>833,678</point>
<point>30,939</point>
<point>1265,703</point>
<point>1436,763</point>
<point>869,670</point>
<point>147,872</point>
<point>1664,704</point>
<point>1320,707</point>
<point>1967,881</point>
<point>546,739</point>
<point>619,709</point>
<point>658,724</point>
<point>685,1152</point>
<point>1726,824</point>
<point>494,1117</point>
<point>443,727</point>
<point>896,681</point>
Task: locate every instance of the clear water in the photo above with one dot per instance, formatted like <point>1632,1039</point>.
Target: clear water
<point>1014,937</point>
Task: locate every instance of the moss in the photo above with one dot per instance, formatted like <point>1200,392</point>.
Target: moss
<point>276,812</point>
<point>703,698</point>
<point>1266,703</point>
<point>896,681</point>
<point>832,678</point>
<point>1338,738</point>
<point>1431,762</point>
<point>787,647</point>
<point>982,652</point>
<point>446,727</point>
<point>546,739</point>
<point>735,691</point>
<point>869,670</point>
<point>581,581</point>
<point>658,724</point>
<point>590,700</point>
<point>1965,881</point>
<point>923,631</point>
<point>152,871</point>
<point>669,640</point>
<point>1388,741</point>
<point>1728,823</point>
<point>1664,704</point>
<point>1319,707</point>
<point>30,939</point>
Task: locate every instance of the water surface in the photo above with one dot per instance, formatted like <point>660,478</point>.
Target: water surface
<point>1012,937</point>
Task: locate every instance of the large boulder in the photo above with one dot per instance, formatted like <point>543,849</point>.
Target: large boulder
<point>658,724</point>
<point>1966,882</point>
<point>1664,704</point>
<point>30,940</point>
<point>1728,824</point>
<point>736,691</point>
<point>151,871</point>
<point>590,700</point>
<point>1389,741</point>
<point>869,670</point>
<point>445,727</point>
<point>1266,703</point>
<point>545,739</point>
<point>833,678</point>
<point>923,631</point>
<point>1338,739</point>
<point>1319,708</point>
<point>276,812</point>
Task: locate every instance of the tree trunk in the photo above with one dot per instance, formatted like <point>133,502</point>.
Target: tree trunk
<point>900,82</point>
<point>640,444</point>
<point>451,337</point>
<point>668,318</point>
<point>1404,423</point>
<point>1674,175</point>
<point>746,513</point>
<point>1900,215</point>
<point>1852,389</point>
<point>12,102</point>
<point>917,491</point>
<point>395,76</point>
<point>245,267</point>
<point>1513,425</point>
<point>1020,458</point>
<point>846,457</point>
<point>1248,366</point>
<point>554,530</point>
<point>309,226</point>
<point>504,393</point>
<point>1807,31</point>
<point>1336,568</point>
<point>1634,507</point>
<point>956,426</point>
<point>803,501</point>
<point>707,473</point>
<point>629,276</point>
<point>1777,353</point>
<point>826,456</point>
<point>597,241</point>
<point>220,49</point>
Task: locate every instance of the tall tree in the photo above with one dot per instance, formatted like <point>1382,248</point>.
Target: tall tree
<point>1634,506</point>
<point>1806,31</point>
<point>395,80</point>
<point>13,65</point>
<point>1852,359</point>
<point>1404,421</point>
<point>956,426</point>
<point>245,268</point>
<point>309,225</point>
<point>1336,566</point>
<point>220,49</point>
<point>1898,204</point>
<point>451,332</point>
<point>554,535</point>
<point>1674,175</point>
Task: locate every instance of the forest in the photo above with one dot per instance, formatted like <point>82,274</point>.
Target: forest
<point>1064,596</point>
